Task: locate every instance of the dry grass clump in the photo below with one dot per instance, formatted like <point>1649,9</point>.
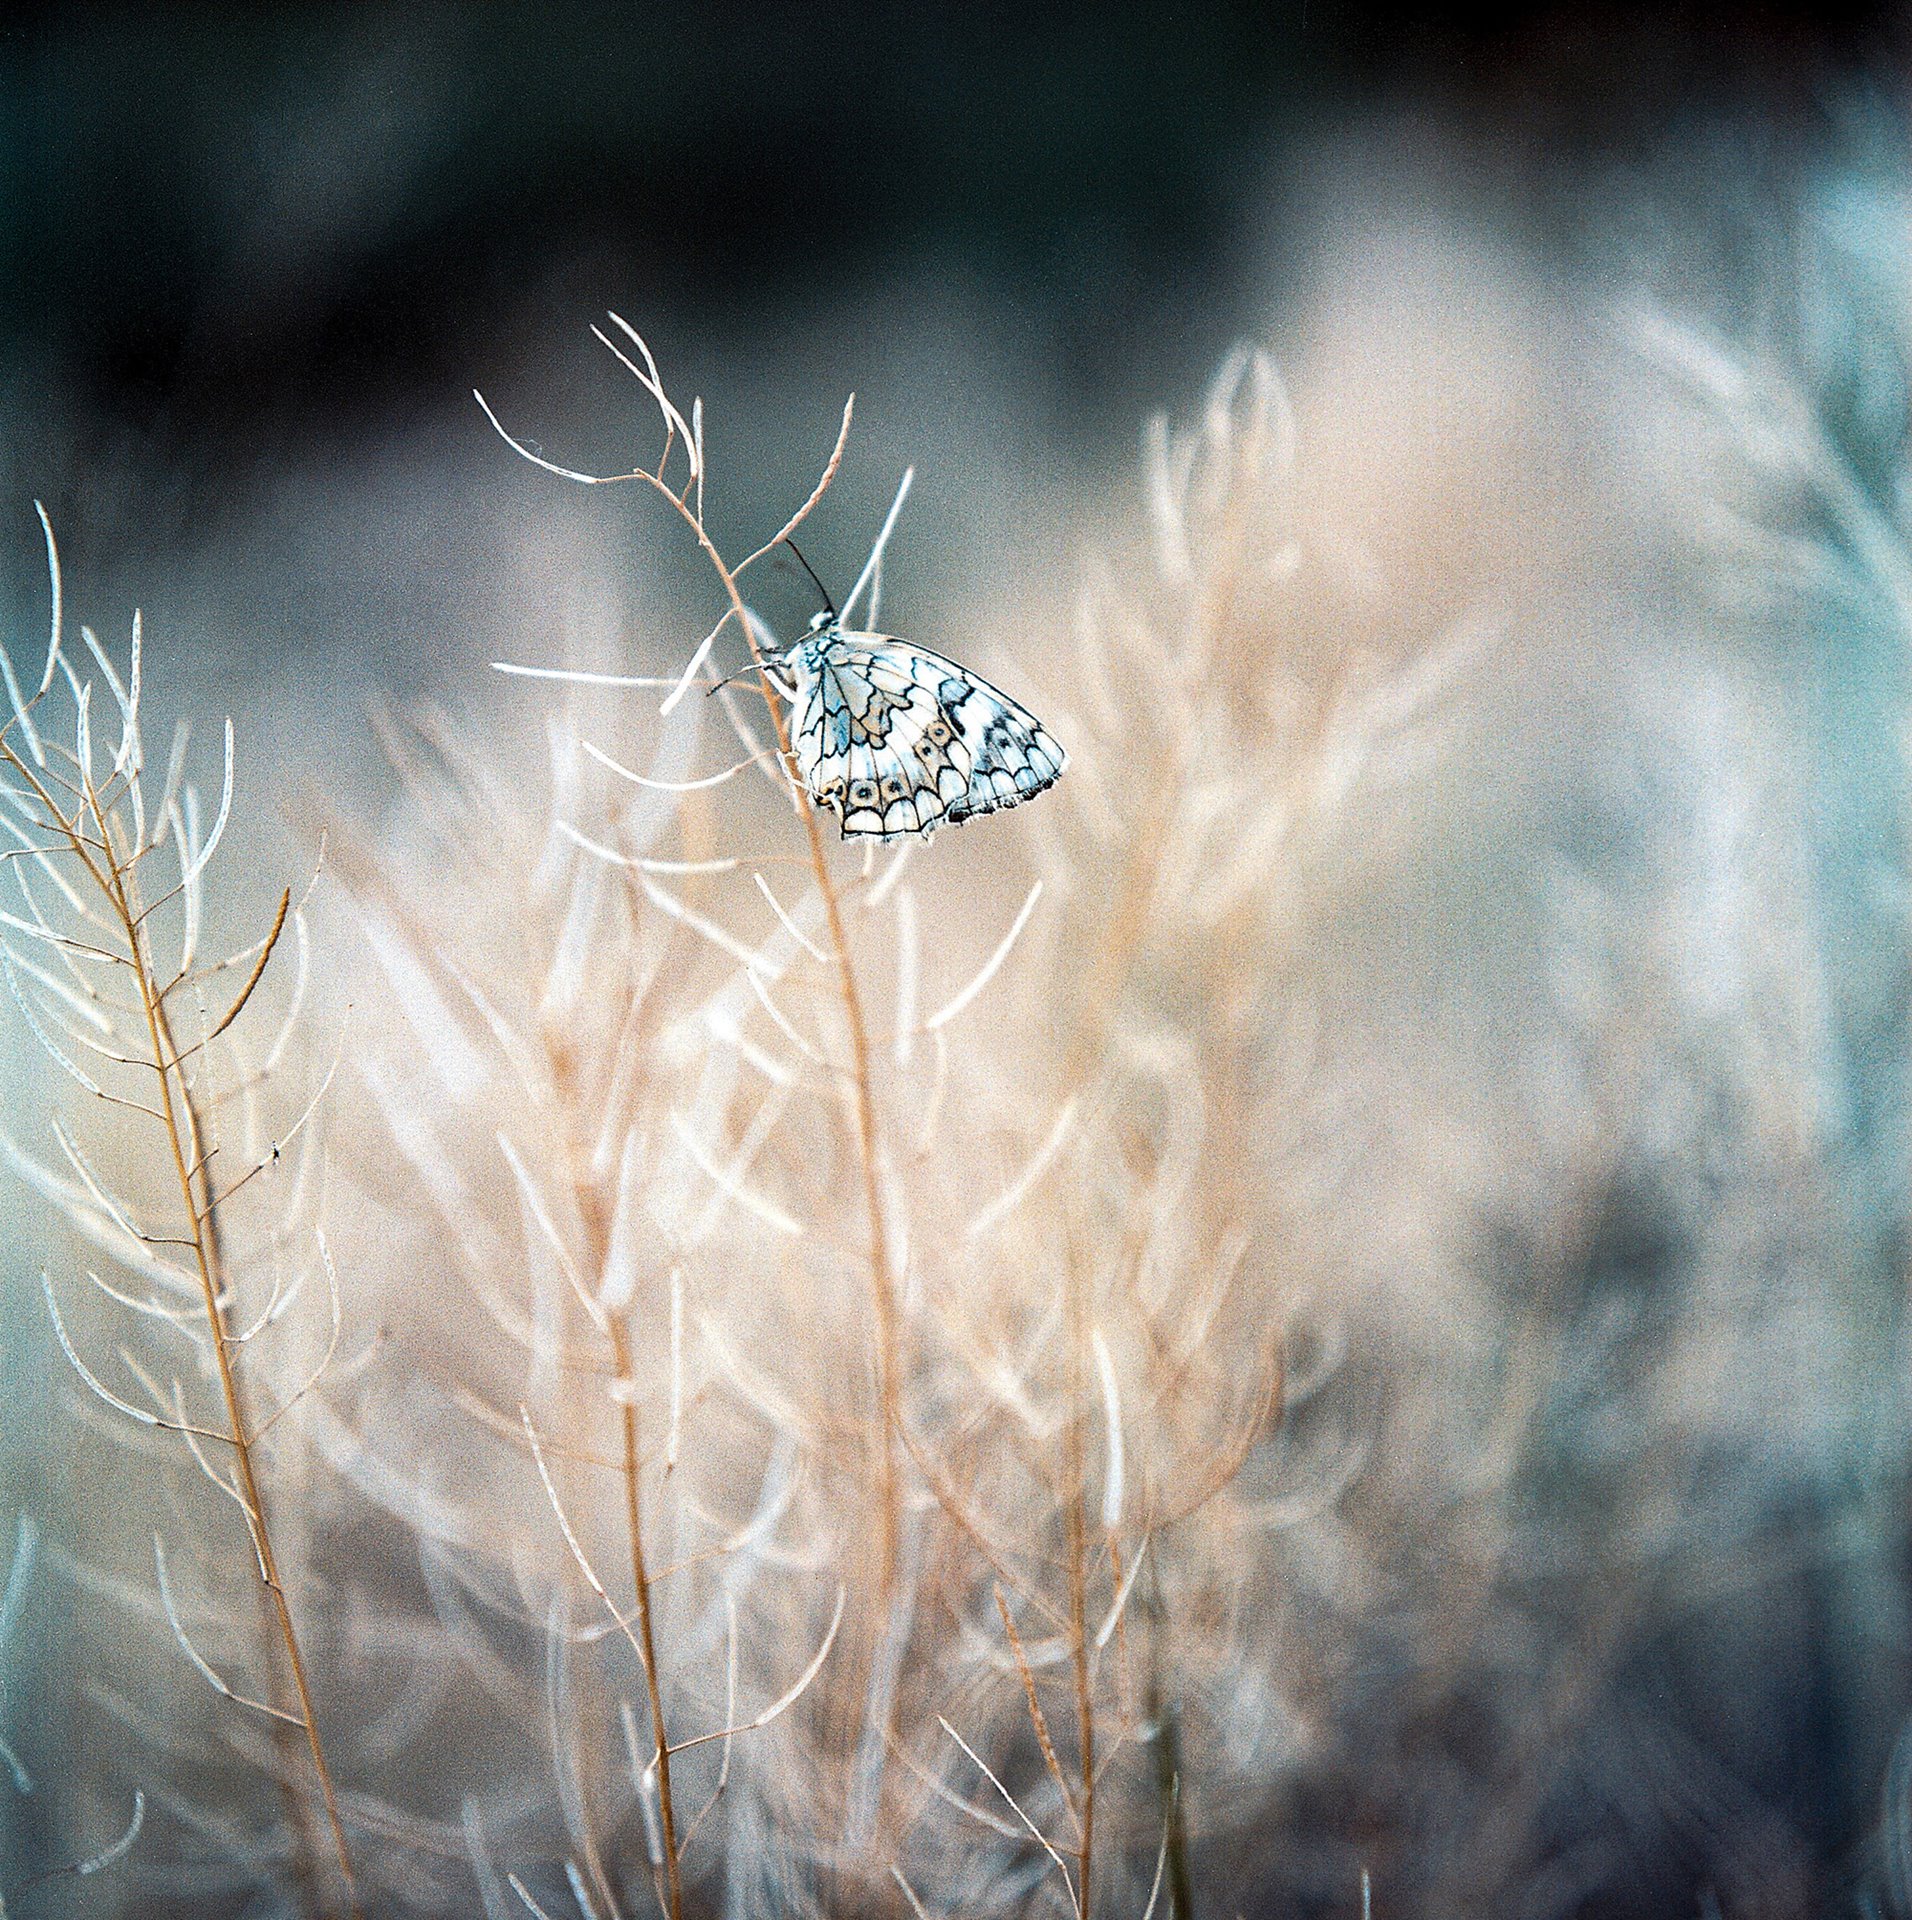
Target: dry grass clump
<point>834,1320</point>
<point>221,1283</point>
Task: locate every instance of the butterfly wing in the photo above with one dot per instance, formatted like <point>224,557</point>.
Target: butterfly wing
<point>896,739</point>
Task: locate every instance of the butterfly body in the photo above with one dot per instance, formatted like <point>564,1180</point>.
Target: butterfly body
<point>895,739</point>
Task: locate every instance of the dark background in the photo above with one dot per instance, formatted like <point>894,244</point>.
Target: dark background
<point>241,242</point>
<point>226,224</point>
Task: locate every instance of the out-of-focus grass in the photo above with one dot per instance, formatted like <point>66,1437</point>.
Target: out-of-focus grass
<point>1370,1340</point>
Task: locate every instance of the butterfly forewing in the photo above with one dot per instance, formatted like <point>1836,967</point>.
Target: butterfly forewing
<point>895,739</point>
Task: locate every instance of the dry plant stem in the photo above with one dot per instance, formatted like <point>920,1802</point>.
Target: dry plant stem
<point>308,1848</point>
<point>203,1230</point>
<point>112,874</point>
<point>274,1626</point>
<point>1128,923</point>
<point>882,1282</point>
<point>1078,1524</point>
<point>1037,1718</point>
<point>640,1577</point>
<point>630,1465</point>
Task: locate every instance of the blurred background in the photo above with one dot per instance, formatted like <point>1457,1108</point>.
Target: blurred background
<point>253,261</point>
<point>256,258</point>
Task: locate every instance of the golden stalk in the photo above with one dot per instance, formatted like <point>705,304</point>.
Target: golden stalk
<point>113,875</point>
<point>882,1281</point>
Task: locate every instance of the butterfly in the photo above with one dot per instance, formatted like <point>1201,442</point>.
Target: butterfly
<point>895,739</point>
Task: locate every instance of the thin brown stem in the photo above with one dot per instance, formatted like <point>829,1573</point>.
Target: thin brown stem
<point>1077,1511</point>
<point>882,1281</point>
<point>596,1220</point>
<point>203,1233</point>
<point>1037,1718</point>
<point>112,875</point>
<point>640,1578</point>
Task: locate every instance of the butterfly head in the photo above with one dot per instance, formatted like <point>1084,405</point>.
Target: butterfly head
<point>821,621</point>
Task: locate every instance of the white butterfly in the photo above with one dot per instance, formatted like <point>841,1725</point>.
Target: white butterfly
<point>895,739</point>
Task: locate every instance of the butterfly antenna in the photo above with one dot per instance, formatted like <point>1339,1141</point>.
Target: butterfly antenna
<point>828,604</point>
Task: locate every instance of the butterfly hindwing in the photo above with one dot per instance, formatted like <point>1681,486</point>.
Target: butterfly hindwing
<point>895,739</point>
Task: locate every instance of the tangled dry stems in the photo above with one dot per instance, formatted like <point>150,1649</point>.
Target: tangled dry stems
<point>816,1453</point>
<point>635,1079</point>
<point>108,971</point>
